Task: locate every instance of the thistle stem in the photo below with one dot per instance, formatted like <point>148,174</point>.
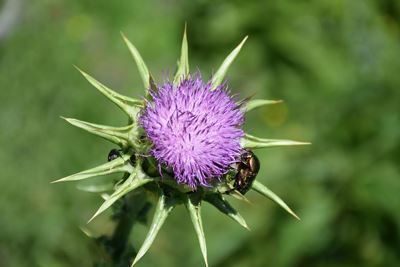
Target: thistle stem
<point>134,209</point>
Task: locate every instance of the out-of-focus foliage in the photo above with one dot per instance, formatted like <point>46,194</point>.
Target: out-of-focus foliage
<point>335,63</point>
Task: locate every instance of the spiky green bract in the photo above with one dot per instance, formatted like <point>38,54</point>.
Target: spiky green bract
<point>193,205</point>
<point>255,103</point>
<point>183,64</point>
<point>263,190</point>
<point>141,174</point>
<point>143,71</point>
<point>118,165</point>
<point>219,75</point>
<point>117,135</point>
<point>218,201</point>
<point>252,142</point>
<point>164,206</point>
<point>136,179</point>
<point>127,104</point>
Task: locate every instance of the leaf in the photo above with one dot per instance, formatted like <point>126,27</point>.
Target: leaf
<point>128,105</point>
<point>143,71</point>
<point>220,74</point>
<point>162,210</point>
<point>133,182</point>
<point>263,190</point>
<point>183,65</point>
<point>252,142</point>
<point>117,165</point>
<point>255,103</point>
<point>222,205</point>
<point>194,208</point>
<point>116,135</point>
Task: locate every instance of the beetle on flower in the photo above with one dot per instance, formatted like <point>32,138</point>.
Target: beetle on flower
<point>187,138</point>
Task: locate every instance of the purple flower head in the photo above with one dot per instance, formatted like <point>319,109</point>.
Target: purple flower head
<point>194,130</point>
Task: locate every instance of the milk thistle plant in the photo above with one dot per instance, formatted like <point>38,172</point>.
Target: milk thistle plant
<point>184,144</point>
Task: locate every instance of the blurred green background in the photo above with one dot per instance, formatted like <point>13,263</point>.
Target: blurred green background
<point>335,63</point>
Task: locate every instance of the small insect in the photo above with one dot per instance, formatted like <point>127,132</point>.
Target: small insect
<point>132,159</point>
<point>115,153</point>
<point>247,171</point>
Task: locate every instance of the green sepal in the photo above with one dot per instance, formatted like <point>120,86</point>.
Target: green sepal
<point>119,164</point>
<point>164,206</point>
<point>255,103</point>
<point>222,205</point>
<point>135,180</point>
<point>252,142</point>
<point>219,75</point>
<point>116,135</point>
<point>127,104</point>
<point>193,205</point>
<point>143,71</point>
<point>183,64</point>
<point>263,190</point>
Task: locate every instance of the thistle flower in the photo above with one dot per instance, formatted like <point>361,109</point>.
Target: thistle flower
<point>192,131</point>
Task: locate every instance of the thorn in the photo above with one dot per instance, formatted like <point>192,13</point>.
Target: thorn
<point>87,232</point>
<point>293,214</point>
<point>76,67</point>
<point>245,100</point>
<point>134,262</point>
<point>247,227</point>
<point>91,219</point>
<point>236,194</point>
<point>126,40</point>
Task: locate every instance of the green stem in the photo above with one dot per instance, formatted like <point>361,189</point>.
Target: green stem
<point>133,205</point>
<point>134,209</point>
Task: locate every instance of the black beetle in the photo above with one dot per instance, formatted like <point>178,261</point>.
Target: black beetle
<point>247,171</point>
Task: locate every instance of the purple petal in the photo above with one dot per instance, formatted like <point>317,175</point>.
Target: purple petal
<point>194,130</point>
